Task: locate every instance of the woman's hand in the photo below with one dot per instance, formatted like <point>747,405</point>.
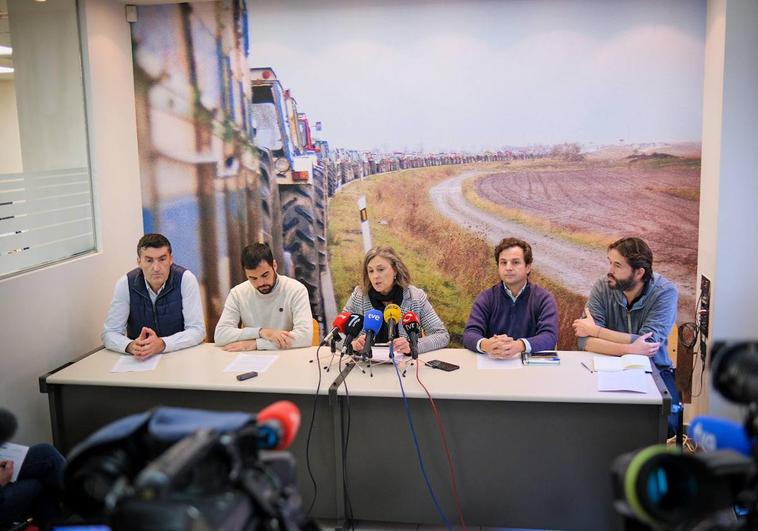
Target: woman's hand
<point>358,343</point>
<point>401,346</point>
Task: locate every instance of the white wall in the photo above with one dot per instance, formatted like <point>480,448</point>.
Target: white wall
<point>55,314</point>
<point>728,247</point>
<point>10,144</point>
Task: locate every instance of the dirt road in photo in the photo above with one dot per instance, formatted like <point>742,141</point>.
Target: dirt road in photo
<point>572,265</point>
<point>654,199</point>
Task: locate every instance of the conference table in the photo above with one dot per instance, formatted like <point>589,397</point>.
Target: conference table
<point>531,446</point>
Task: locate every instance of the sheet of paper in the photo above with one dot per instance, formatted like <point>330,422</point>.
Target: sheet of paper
<point>132,364</point>
<point>630,380</point>
<point>485,362</point>
<point>383,354</point>
<point>16,453</point>
<point>251,362</point>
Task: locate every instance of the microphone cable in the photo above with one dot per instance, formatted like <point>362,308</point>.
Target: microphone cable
<point>441,429</point>
<point>345,440</point>
<point>415,442</point>
<point>310,431</point>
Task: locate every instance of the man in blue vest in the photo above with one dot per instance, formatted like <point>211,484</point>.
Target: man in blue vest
<point>156,306</point>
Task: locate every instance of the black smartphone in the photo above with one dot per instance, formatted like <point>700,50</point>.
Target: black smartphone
<point>247,375</point>
<point>442,365</point>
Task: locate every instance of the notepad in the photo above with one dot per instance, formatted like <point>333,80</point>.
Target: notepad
<point>628,361</point>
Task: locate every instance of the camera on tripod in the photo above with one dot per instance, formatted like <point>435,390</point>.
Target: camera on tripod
<point>180,469</point>
<point>663,488</point>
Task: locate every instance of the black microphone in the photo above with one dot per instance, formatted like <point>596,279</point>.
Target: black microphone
<point>372,323</point>
<point>412,328</point>
<point>8,425</point>
<point>352,330</point>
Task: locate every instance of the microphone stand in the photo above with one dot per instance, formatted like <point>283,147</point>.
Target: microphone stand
<point>333,347</point>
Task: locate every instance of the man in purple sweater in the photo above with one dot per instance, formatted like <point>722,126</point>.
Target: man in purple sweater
<point>514,315</point>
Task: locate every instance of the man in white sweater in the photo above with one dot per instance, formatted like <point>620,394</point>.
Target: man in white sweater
<point>274,310</point>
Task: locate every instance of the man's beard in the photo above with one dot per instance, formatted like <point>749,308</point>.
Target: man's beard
<point>266,289</point>
<point>624,284</point>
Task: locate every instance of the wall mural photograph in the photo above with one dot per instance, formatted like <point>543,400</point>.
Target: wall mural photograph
<point>567,124</point>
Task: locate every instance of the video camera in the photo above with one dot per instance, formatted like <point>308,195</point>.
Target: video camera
<point>663,488</point>
<point>179,469</point>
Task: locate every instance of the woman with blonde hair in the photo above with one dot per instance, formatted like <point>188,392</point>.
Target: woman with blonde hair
<point>386,280</point>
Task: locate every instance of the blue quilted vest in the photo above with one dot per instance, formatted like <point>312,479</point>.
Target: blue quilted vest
<point>166,317</point>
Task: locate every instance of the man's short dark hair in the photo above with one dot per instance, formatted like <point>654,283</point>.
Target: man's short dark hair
<point>254,254</point>
<point>153,240</point>
<point>507,243</point>
<point>637,253</point>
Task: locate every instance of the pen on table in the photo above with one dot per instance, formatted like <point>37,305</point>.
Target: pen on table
<point>585,366</point>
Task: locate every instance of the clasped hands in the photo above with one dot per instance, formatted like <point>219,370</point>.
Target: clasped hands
<point>147,344</point>
<point>281,338</point>
<point>502,347</point>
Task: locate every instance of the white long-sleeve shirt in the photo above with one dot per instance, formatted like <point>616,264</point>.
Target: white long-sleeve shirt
<point>114,331</point>
<point>286,308</point>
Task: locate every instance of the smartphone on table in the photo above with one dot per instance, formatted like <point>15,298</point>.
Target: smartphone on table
<point>442,365</point>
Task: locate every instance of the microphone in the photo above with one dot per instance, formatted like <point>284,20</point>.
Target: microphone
<point>711,433</point>
<point>8,425</point>
<point>392,318</point>
<point>352,330</point>
<point>372,323</point>
<point>339,324</point>
<point>277,425</point>
<point>412,328</point>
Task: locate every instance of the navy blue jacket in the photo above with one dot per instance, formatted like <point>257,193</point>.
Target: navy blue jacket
<point>166,317</point>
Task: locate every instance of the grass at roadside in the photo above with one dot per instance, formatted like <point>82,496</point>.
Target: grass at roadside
<point>451,264</point>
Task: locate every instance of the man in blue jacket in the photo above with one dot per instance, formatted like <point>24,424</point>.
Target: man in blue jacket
<point>156,306</point>
<point>631,310</point>
<point>514,315</point>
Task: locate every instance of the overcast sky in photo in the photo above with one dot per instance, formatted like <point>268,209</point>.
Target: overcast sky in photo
<point>414,75</point>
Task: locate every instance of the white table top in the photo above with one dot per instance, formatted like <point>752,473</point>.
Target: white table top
<point>567,382</point>
<point>202,367</point>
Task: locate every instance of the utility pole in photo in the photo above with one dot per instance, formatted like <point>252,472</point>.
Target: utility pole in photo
<point>365,230</point>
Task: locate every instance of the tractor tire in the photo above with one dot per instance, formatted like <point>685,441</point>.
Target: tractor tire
<point>300,233</point>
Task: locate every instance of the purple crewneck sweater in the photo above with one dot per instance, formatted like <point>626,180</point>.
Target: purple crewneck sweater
<point>534,317</point>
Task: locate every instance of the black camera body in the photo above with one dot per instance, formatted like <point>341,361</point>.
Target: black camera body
<point>176,469</point>
<point>662,488</point>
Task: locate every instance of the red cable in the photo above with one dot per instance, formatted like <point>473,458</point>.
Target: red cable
<point>444,445</point>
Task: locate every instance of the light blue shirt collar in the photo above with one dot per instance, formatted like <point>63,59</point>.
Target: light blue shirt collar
<point>510,293</point>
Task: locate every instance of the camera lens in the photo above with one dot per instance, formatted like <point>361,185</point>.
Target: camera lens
<point>663,486</point>
<point>735,371</point>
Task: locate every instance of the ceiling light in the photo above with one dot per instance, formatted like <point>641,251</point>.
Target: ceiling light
<point>6,69</point>
<point>5,50</point>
